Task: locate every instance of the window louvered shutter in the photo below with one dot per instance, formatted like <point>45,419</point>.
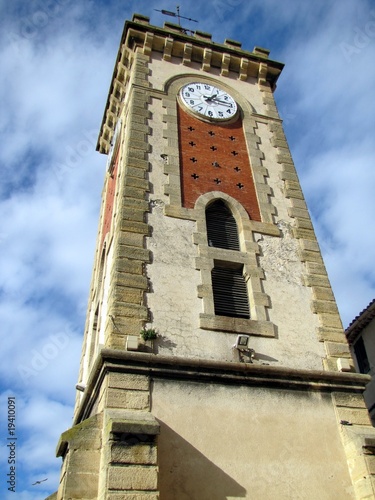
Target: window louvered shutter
<point>221,227</point>
<point>361,355</point>
<point>230,293</point>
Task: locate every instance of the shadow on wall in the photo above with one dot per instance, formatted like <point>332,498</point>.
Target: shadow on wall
<point>185,473</point>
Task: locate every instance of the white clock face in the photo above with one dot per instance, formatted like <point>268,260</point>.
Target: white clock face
<point>208,101</point>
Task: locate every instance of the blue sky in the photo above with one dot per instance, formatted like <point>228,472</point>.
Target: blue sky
<point>57,59</point>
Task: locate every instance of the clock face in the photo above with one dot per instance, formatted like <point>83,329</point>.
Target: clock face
<point>208,101</point>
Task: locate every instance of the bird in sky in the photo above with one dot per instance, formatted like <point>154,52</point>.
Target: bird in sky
<point>39,482</point>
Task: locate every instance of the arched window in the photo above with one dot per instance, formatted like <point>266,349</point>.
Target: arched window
<point>230,292</point>
<point>221,226</point>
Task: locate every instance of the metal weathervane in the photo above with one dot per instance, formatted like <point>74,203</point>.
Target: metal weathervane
<point>179,17</point>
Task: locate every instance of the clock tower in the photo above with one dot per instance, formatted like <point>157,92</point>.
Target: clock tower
<point>214,362</point>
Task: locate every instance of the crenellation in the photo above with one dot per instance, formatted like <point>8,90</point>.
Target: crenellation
<point>225,64</point>
<point>188,49</point>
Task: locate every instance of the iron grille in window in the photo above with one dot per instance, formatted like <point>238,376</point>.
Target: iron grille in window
<point>221,227</point>
<point>361,355</point>
<point>230,292</point>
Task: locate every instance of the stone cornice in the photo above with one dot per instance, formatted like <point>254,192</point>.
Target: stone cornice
<point>208,371</point>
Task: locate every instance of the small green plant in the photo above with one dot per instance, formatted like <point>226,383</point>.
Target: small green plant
<point>148,334</point>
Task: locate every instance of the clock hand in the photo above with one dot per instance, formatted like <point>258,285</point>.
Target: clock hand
<point>209,97</point>
<point>221,102</point>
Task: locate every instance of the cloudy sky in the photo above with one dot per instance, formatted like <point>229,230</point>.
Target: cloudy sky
<point>57,59</point>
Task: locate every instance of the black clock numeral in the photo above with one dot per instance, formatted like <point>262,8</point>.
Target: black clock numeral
<point>200,108</point>
<point>210,113</point>
<point>192,102</point>
<point>207,87</point>
<point>229,111</point>
<point>221,114</point>
<point>198,87</point>
<point>191,89</point>
<point>186,94</point>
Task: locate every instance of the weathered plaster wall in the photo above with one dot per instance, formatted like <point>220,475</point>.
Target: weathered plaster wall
<point>174,280</point>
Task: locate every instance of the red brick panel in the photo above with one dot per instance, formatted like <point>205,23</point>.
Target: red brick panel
<point>213,157</point>
<point>109,199</point>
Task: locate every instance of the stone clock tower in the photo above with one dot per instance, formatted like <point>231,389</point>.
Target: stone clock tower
<point>214,364</point>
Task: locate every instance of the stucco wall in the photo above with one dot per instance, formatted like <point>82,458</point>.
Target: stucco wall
<point>226,442</point>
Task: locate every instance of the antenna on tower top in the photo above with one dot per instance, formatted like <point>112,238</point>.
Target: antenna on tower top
<point>179,17</point>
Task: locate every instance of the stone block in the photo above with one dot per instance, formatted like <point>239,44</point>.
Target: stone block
<point>370,462</point>
<point>122,266</point>
<point>128,295</point>
<point>309,245</point>
<point>136,182</point>
<point>124,326</point>
<point>330,320</point>
<point>128,381</point>
<point>136,454</point>
<point>316,280</point>
<point>134,227</point>
<point>85,461</point>
<point>298,212</point>
<point>306,234</point>
<point>83,436</point>
<point>337,349</point>
<point>132,496</point>
<point>133,253</point>
<point>316,268</point>
<point>294,185</point>
<point>324,306</point>
<point>120,398</point>
<point>349,400</point>
<point>128,310</point>
<point>131,267</point>
<point>79,485</point>
<point>140,204</point>
<point>279,142</point>
<point>291,176</point>
<point>136,135</point>
<point>356,416</point>
<point>130,280</point>
<point>136,172</point>
<point>139,153</point>
<point>128,240</point>
<point>133,161</point>
<point>365,488</point>
<point>303,223</point>
<point>358,467</point>
<point>308,256</point>
<point>293,193</point>
<point>331,334</point>
<point>288,167</point>
<point>298,204</point>
<point>134,192</point>
<point>132,214</point>
<point>344,365</point>
<point>322,293</point>
<point>132,477</point>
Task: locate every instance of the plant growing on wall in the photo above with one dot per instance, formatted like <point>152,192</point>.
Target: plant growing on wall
<point>149,334</point>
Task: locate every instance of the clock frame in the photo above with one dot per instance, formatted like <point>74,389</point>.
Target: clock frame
<point>208,102</point>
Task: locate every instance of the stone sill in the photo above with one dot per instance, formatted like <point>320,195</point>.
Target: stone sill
<point>237,325</point>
